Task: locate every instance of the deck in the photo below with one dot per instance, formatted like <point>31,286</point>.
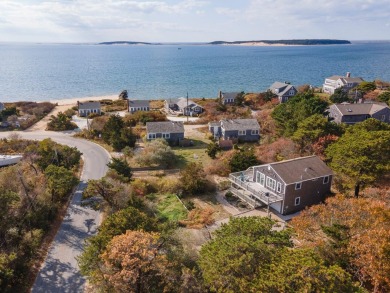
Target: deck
<point>251,192</point>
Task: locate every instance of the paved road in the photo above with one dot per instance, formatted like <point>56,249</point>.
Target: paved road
<point>60,272</point>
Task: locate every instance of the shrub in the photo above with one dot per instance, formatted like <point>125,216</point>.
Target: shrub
<point>156,152</point>
<point>198,218</point>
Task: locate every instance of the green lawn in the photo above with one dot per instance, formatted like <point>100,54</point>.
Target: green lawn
<point>196,153</point>
<point>169,207</point>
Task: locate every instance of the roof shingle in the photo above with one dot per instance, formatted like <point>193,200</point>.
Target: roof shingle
<point>165,127</point>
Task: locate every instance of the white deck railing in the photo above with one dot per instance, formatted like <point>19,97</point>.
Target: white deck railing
<point>244,181</point>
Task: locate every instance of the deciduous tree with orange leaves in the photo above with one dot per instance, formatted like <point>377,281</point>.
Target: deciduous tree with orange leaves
<point>136,262</point>
<point>353,233</point>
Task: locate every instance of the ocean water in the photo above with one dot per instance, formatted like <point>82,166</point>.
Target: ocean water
<point>57,71</point>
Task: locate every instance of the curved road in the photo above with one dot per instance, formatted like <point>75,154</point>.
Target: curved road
<point>60,271</point>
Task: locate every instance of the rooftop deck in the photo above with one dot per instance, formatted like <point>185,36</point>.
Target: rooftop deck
<point>251,192</point>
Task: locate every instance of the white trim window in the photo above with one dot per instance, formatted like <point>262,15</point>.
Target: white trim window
<point>254,131</point>
<point>383,118</point>
<point>326,180</point>
<point>242,132</point>
<point>279,187</point>
<point>298,185</point>
<point>151,136</point>
<point>297,201</point>
<point>291,93</point>
<point>260,178</point>
<point>271,183</point>
<point>166,135</point>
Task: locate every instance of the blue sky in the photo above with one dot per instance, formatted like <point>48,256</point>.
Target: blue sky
<point>192,21</point>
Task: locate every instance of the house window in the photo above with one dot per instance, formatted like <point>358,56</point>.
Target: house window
<point>242,132</point>
<point>291,93</point>
<point>166,135</point>
<point>298,185</point>
<point>326,179</point>
<point>297,201</point>
<point>254,132</point>
<point>383,117</point>
<point>279,187</point>
<point>271,183</point>
<point>260,178</point>
<point>151,135</point>
<point>132,109</point>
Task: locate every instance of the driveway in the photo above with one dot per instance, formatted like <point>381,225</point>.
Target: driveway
<point>60,271</point>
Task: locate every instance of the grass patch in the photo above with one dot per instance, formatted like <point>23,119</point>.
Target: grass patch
<point>170,208</point>
<point>196,153</point>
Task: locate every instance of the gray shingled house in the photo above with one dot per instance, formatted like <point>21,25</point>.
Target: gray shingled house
<point>172,131</point>
<point>287,186</point>
<point>86,108</point>
<point>244,130</point>
<point>283,90</point>
<point>228,98</point>
<point>182,106</point>
<point>354,113</point>
<point>138,105</point>
<point>336,81</point>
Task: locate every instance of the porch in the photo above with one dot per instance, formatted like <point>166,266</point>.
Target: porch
<point>251,192</point>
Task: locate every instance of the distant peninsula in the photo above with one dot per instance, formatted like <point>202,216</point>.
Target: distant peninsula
<point>300,42</point>
<point>303,42</point>
<point>127,43</point>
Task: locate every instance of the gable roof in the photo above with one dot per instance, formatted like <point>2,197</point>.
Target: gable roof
<point>88,105</point>
<point>346,80</point>
<point>232,95</point>
<point>358,109</point>
<point>165,127</point>
<point>282,87</point>
<point>301,169</point>
<point>138,103</point>
<point>215,124</point>
<point>240,124</point>
<point>182,103</point>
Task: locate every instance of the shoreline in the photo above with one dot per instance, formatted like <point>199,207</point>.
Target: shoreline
<point>73,101</point>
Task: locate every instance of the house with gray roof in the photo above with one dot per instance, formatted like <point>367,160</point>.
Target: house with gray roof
<point>354,113</point>
<point>283,90</point>
<point>243,130</point>
<point>138,105</point>
<point>171,131</point>
<point>336,81</point>
<point>228,98</point>
<point>286,187</point>
<point>183,107</point>
<point>86,108</point>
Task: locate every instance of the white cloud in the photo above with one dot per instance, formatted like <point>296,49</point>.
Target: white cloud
<point>191,20</point>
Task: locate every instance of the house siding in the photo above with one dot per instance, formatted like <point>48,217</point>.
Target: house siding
<point>312,192</point>
<point>269,172</point>
<point>233,134</point>
<point>174,138</point>
<point>378,115</point>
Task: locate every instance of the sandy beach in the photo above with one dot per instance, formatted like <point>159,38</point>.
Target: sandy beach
<point>73,101</point>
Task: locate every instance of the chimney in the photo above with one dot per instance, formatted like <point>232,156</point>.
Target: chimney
<point>220,94</point>
<point>348,74</point>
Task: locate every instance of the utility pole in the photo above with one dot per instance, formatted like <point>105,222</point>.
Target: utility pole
<point>187,108</point>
